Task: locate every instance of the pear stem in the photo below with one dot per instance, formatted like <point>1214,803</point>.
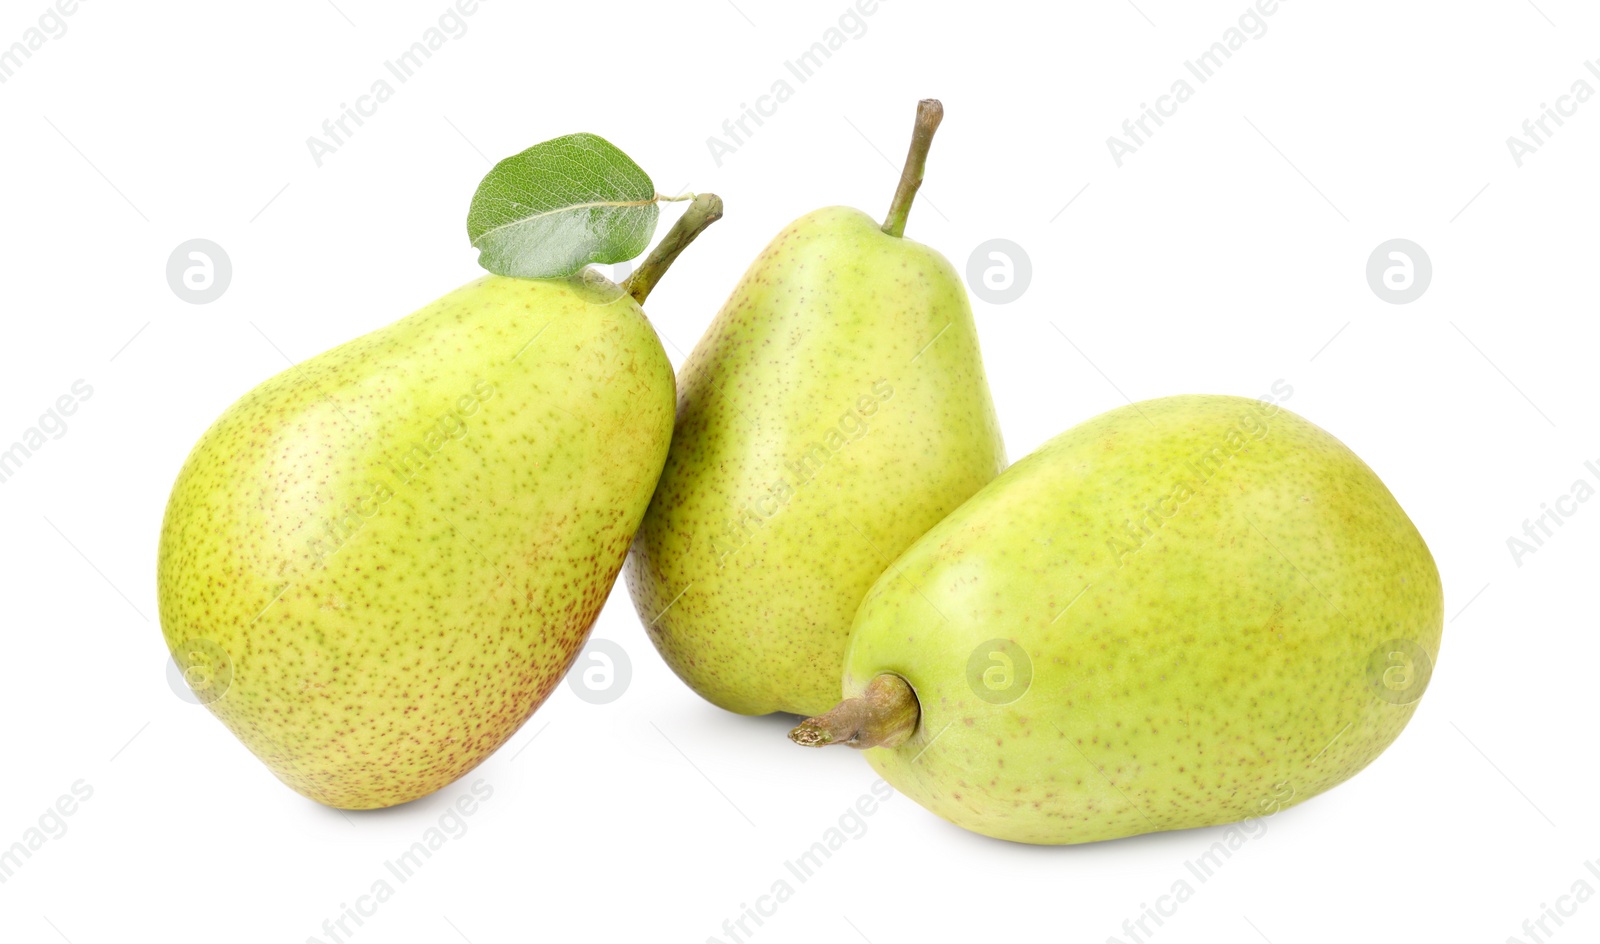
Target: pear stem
<point>883,716</point>
<point>702,212</point>
<point>929,113</point>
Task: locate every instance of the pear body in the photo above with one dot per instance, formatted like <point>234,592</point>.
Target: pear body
<point>1185,612</point>
<point>376,565</point>
<point>835,409</point>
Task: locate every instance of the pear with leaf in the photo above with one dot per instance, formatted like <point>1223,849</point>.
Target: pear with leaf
<point>376,565</point>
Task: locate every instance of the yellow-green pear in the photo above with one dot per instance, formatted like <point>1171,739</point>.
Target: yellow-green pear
<point>834,411</point>
<point>377,564</point>
<point>1184,612</point>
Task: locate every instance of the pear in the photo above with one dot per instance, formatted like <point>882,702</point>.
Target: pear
<point>1184,612</point>
<point>835,410</point>
<point>376,565</point>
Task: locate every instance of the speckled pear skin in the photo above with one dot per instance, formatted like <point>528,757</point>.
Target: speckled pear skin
<point>400,545</point>
<point>835,410</point>
<point>1214,669</point>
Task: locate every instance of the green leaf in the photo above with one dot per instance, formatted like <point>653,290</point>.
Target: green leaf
<point>560,205</point>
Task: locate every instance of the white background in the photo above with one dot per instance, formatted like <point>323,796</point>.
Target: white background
<point>1228,252</point>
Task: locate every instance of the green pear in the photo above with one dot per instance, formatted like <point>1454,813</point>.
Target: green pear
<point>1184,612</point>
<point>835,410</point>
<point>376,565</point>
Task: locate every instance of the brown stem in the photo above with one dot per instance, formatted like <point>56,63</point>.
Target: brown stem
<point>883,716</point>
<point>705,210</point>
<point>929,113</point>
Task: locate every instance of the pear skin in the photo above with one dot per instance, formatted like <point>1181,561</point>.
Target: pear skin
<point>835,410</point>
<point>376,565</point>
<point>1184,612</point>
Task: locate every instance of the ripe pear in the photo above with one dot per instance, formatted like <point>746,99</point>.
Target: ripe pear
<point>376,565</point>
<point>1184,612</point>
<point>835,409</point>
